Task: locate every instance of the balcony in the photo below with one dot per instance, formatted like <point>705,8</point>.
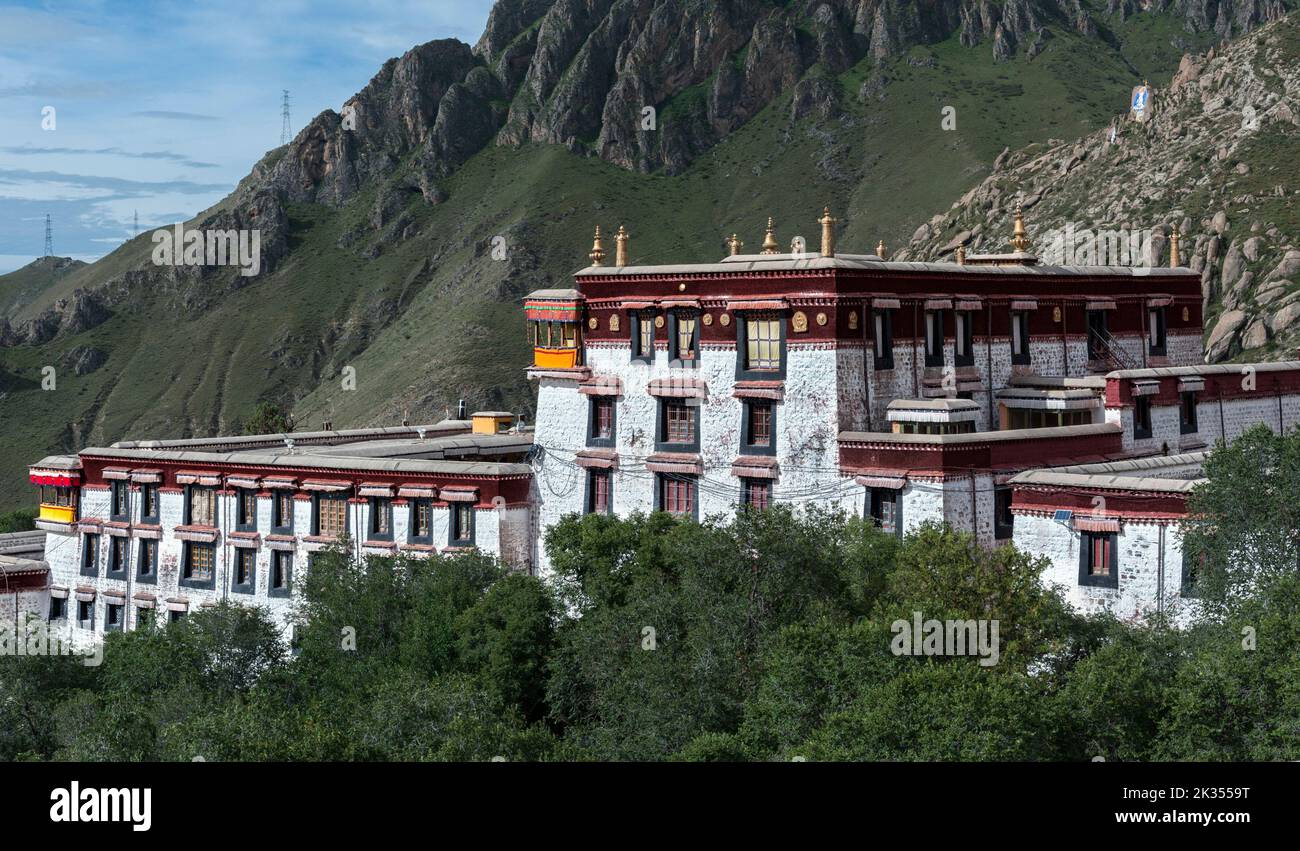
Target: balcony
<point>57,513</point>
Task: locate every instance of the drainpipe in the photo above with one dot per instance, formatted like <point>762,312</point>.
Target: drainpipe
<point>1065,340</point>
<point>868,317</point>
<point>1146,332</point>
<point>225,541</point>
<point>1223,429</point>
<point>916,381</point>
<point>988,351</point>
<point>974,508</point>
<point>126,604</point>
<point>1160,573</point>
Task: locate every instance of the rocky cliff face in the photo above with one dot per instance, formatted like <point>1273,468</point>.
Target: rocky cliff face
<point>1217,160</point>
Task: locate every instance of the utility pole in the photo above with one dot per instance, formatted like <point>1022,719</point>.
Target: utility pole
<point>49,236</point>
<point>284,115</point>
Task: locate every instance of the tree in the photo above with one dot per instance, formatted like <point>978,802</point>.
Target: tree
<point>268,418</point>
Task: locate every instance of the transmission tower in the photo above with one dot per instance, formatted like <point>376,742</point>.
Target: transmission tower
<point>284,114</point>
<point>135,225</point>
<point>49,236</point>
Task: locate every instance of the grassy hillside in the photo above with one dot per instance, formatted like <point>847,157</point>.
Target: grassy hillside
<point>425,315</point>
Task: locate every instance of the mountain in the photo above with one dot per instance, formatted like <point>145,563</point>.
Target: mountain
<point>25,285</point>
<point>399,233</point>
<point>1217,159</point>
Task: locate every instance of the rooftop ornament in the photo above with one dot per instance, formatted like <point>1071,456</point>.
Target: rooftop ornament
<point>828,232</point>
<point>1019,237</point>
<point>597,253</point>
<point>880,250</point>
<point>769,241</point>
<point>734,245</point>
<point>620,246</point>
<point>1174,260</point>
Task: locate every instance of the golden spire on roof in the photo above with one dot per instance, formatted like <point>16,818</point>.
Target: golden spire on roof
<point>880,249</point>
<point>1174,260</point>
<point>734,245</point>
<point>620,246</point>
<point>828,232</point>
<point>1019,238</point>
<point>597,253</point>
<point>769,241</point>
<point>961,254</point>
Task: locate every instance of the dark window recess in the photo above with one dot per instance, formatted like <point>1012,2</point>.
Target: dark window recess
<point>421,527</point>
<point>381,519</point>
<point>282,512</point>
<point>683,338</point>
<point>1142,417</point>
<point>121,500</point>
<point>90,555</point>
<point>86,614</point>
<point>147,561</point>
<point>1156,331</point>
<point>759,428</point>
<point>1020,337</point>
<point>678,426</point>
<point>58,608</point>
<point>175,616</point>
<point>119,555</point>
<point>1003,519</point>
<point>199,564</point>
<point>246,510</point>
<point>600,427</point>
<point>964,340</point>
<point>462,524</point>
<point>1187,413</point>
<point>113,613</point>
<point>1099,559</point>
<point>281,577</point>
<point>245,579</point>
<point>756,493</point>
<point>678,494</point>
<point>642,326</point>
<point>883,338</point>
<point>149,503</point>
<point>934,338</point>
<point>599,492</point>
<point>885,506</point>
<point>145,618</point>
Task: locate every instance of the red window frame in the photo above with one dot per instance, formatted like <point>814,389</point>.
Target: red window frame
<point>678,495</point>
<point>679,423</point>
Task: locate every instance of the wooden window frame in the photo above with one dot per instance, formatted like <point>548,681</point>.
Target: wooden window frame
<point>1090,544</point>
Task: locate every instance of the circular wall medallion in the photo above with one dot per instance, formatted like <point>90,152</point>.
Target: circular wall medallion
<point>708,319</point>
<point>821,318</point>
<point>593,323</point>
<point>799,321</point>
<point>613,322</point>
<point>725,319</point>
<point>659,322</point>
<point>681,288</point>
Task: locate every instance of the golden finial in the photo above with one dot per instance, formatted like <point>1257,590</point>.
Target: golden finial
<point>769,241</point>
<point>828,232</point>
<point>880,249</point>
<point>620,247</point>
<point>1174,260</point>
<point>597,253</point>
<point>1019,238</point>
<point>734,245</point>
<point>961,255</point>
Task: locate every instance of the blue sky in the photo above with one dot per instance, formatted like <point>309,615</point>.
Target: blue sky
<point>162,107</point>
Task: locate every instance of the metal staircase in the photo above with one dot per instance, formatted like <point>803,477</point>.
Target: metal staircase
<point>1108,349</point>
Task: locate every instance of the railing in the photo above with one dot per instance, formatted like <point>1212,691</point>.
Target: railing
<point>1107,348</point>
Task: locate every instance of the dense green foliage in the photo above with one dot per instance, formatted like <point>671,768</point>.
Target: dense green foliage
<point>767,638</point>
<point>268,418</point>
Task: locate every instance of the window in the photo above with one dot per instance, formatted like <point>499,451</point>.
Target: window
<point>1187,413</point>
<point>598,492</point>
<point>1156,330</point>
<point>1020,337</point>
<point>121,500</point>
<point>282,512</point>
<point>756,493</point>
<point>144,618</point>
<point>62,497</point>
<point>86,614</point>
<point>175,616</point>
<point>684,338</point>
<point>119,556</point>
<point>462,524</point>
<point>149,503</point>
<point>281,573</point>
<point>381,519</point>
<point>331,515</point>
<point>677,427</point>
<point>421,530</point>
<point>113,617</point>
<point>1098,559</point>
<point>201,508</point>
<point>1032,418</point>
<point>58,608</point>
<point>147,563</point>
<point>964,340</point>
<point>1003,519</point>
<point>677,494</point>
<point>762,344</point>
<point>246,510</point>
<point>245,578</point>
<point>199,564</point>
<point>643,336</point>
<point>758,428</point>
<point>883,331</point>
<point>1142,417</point>
<point>934,338</point>
<point>90,555</point>
<point>886,508</point>
<point>600,430</point>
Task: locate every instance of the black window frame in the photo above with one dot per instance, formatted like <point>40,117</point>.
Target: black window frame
<point>189,505</point>
<point>190,582</point>
<point>376,505</point>
<point>1142,425</point>
<point>662,444</point>
<point>412,524</point>
<point>589,501</point>
<point>593,413</point>
<point>747,445</point>
<point>1160,346</point>
<point>875,498</point>
<point>1096,580</point>
<point>455,534</point>
<point>743,370</point>
<point>149,496</point>
<point>882,338</point>
<point>58,609</point>
<point>242,522</point>
<point>279,570</point>
<point>120,491</point>
<point>282,528</point>
<point>963,337</point>
<point>146,617</point>
<point>934,356</point>
<point>1003,520</point>
<point>662,479</point>
<point>111,625</point>
<point>90,554</point>
<point>748,484</point>
<point>241,555</point>
<point>674,354</point>
<point>86,606</point>
<point>141,563</point>
<point>1187,412</point>
<point>1020,322</point>
<point>635,317</point>
<point>119,557</point>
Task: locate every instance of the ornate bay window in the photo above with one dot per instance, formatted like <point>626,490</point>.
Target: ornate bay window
<point>554,328</point>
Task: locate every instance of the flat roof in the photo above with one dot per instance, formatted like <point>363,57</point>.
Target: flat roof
<point>1000,436</point>
<point>1130,474</point>
<point>869,262</point>
<point>306,458</point>
<point>1205,369</point>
